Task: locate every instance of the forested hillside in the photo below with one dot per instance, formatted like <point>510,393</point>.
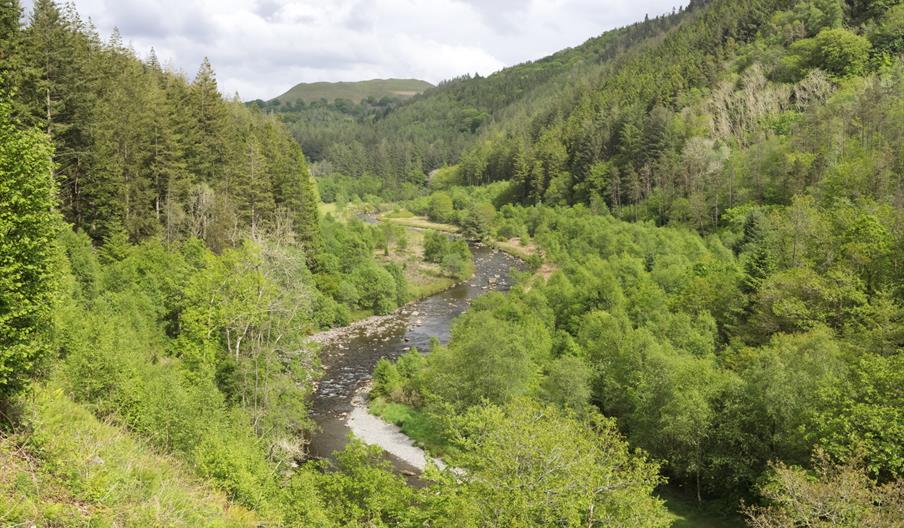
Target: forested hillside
<point>720,217</point>
<point>710,331</point>
<point>144,152</point>
<point>163,262</point>
<point>389,147</point>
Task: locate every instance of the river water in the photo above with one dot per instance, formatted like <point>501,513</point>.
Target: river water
<point>349,360</point>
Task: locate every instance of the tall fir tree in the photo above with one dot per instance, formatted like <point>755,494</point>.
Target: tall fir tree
<point>207,154</point>
<point>58,92</point>
<point>10,38</point>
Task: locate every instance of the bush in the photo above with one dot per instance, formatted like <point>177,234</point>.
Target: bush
<point>478,221</point>
<point>28,252</point>
<point>377,288</point>
<point>387,382</point>
<point>441,208</point>
<point>453,255</point>
<point>888,35</point>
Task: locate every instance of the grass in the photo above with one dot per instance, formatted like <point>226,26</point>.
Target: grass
<point>424,279</point>
<point>427,288</point>
<point>359,315</point>
<point>422,428</point>
<point>75,470</point>
<point>513,247</point>
<point>328,209</point>
<point>355,91</point>
<point>398,213</point>
<point>420,222</point>
<point>686,513</point>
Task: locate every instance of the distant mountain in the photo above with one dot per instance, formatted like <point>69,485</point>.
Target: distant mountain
<point>354,91</point>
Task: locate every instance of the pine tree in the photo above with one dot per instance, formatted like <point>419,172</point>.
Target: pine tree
<point>252,190</point>
<point>207,155</point>
<point>166,167</point>
<point>119,191</point>
<point>58,92</point>
<point>10,37</point>
<point>296,192</point>
<point>174,179</point>
<point>307,222</point>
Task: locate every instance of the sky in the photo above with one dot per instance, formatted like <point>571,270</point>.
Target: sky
<point>261,48</point>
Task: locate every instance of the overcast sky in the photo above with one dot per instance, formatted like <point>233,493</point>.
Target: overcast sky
<point>260,48</point>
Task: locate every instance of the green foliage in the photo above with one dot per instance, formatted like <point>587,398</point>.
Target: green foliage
<point>377,288</point>
<point>29,258</point>
<point>441,208</point>
<point>863,10</point>
<point>711,200</point>
<point>493,357</point>
<point>567,383</point>
<point>75,470</point>
<point>835,495</point>
<point>531,465</point>
<point>478,221</point>
<point>865,422</point>
<point>144,150</point>
<point>201,355</point>
<point>452,254</point>
<point>363,492</point>
<point>691,346</point>
<point>347,272</point>
<point>838,51</point>
<point>888,35</point>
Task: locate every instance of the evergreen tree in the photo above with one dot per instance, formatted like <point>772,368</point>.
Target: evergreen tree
<point>58,94</point>
<point>10,36</point>
<point>207,154</point>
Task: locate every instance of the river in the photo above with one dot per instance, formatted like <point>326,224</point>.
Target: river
<point>349,358</point>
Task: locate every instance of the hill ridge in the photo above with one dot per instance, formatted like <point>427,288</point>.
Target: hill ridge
<point>355,91</point>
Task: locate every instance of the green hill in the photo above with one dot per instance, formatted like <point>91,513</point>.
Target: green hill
<point>354,91</point>
<point>709,204</point>
<point>401,142</point>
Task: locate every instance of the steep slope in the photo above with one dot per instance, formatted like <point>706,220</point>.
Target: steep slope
<point>400,142</point>
<point>685,127</point>
<point>75,470</point>
<point>773,129</point>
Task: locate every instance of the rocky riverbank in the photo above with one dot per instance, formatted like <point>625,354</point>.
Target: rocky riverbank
<point>374,430</point>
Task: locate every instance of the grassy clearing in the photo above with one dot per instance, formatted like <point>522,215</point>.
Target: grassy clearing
<point>686,513</point>
<point>355,91</point>
<point>397,214</point>
<point>359,315</point>
<point>422,428</point>
<point>419,222</point>
<point>328,209</point>
<point>430,287</point>
<point>424,279</point>
<point>344,214</point>
<point>74,470</point>
<point>525,252</point>
<point>515,248</point>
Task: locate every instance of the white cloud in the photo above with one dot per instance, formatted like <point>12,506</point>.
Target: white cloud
<point>260,48</point>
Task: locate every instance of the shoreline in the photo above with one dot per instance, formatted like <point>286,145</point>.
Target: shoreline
<point>374,430</point>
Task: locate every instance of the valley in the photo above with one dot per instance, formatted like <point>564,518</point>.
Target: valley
<point>650,280</point>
